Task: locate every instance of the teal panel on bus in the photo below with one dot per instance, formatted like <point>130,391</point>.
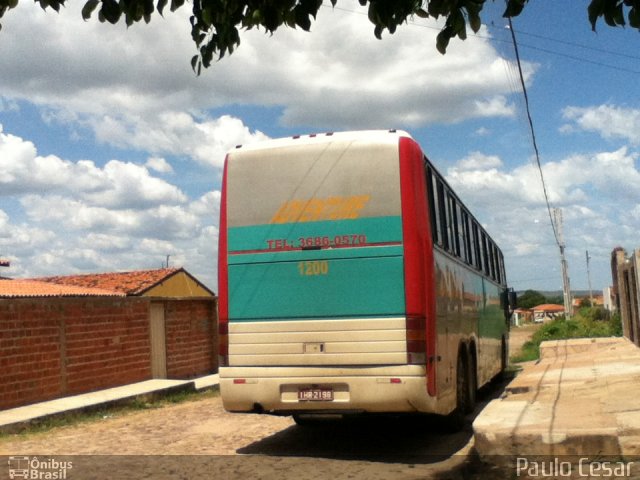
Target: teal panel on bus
<point>370,286</point>
<point>336,232</point>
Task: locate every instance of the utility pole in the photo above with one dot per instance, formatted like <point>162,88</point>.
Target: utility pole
<point>589,279</point>
<point>566,286</point>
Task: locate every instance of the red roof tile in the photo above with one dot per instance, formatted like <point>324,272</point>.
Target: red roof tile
<point>31,288</point>
<point>129,283</point>
<point>548,307</point>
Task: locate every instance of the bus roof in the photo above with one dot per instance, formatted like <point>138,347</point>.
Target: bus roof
<point>376,136</point>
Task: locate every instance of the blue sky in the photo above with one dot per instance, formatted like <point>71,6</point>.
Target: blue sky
<point>111,148</point>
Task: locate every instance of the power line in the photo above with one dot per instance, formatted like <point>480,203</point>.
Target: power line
<point>533,47</point>
<point>533,132</point>
<point>580,45</point>
<point>556,217</point>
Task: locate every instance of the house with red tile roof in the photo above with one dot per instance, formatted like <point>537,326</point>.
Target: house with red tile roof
<point>164,282</point>
<point>31,288</point>
<point>547,311</point>
<point>72,334</point>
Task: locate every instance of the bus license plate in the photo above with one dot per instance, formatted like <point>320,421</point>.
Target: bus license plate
<point>315,395</point>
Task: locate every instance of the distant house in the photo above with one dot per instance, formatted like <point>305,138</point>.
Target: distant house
<point>78,333</point>
<point>546,312</point>
<point>521,316</point>
<point>598,301</point>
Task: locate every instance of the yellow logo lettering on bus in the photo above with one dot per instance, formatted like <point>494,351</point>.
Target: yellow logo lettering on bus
<point>318,209</point>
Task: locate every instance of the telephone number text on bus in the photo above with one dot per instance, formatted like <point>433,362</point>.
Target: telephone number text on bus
<point>317,242</point>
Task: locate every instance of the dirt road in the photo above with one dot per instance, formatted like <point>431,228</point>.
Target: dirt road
<point>198,439</point>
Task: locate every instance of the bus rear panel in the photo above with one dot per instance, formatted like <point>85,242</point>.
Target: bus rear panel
<point>327,277</point>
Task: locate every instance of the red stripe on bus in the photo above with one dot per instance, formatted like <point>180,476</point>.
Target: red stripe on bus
<point>223,279</point>
<point>300,249</point>
<point>418,250</point>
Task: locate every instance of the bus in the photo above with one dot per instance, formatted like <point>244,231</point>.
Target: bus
<point>353,280</point>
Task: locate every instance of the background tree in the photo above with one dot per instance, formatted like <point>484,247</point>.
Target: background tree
<point>216,24</point>
<point>530,299</point>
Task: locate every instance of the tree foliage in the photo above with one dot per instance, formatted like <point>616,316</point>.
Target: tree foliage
<point>530,299</point>
<point>216,24</point>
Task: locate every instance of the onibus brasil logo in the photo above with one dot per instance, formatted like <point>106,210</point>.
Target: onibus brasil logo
<point>37,468</point>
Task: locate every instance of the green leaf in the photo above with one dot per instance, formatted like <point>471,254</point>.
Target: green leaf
<point>595,10</point>
<point>161,5</point>
<point>514,8</point>
<point>111,11</point>
<point>475,22</point>
<point>436,8</point>
<point>613,13</point>
<point>442,40</point>
<point>88,9</point>
<point>634,17</point>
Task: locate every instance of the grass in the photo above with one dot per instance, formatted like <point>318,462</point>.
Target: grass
<point>588,323</point>
<point>100,413</point>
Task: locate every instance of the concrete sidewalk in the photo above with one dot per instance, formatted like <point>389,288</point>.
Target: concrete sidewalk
<point>581,398</point>
<point>15,419</point>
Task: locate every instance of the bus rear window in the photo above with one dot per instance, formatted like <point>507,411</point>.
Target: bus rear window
<point>338,181</point>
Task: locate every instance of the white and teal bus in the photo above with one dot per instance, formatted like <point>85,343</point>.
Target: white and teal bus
<point>352,279</point>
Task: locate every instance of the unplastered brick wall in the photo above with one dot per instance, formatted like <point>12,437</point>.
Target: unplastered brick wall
<point>53,347</point>
<point>192,342</point>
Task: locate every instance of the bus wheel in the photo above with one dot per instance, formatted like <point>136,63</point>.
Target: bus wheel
<point>456,419</point>
<point>504,358</point>
<point>472,384</point>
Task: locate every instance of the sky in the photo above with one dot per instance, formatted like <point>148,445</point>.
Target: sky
<point>111,148</point>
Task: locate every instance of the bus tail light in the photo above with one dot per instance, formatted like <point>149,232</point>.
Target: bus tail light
<point>223,280</point>
<point>416,340</point>
<point>223,344</point>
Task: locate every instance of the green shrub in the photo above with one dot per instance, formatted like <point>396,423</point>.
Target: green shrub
<point>588,323</point>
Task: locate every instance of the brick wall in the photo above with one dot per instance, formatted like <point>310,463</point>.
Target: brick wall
<point>192,346</point>
<point>52,347</point>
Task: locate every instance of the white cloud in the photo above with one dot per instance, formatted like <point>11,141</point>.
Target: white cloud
<point>609,121</point>
<point>134,88</point>
<point>588,189</point>
<point>81,217</point>
<point>118,184</point>
<point>158,164</point>
<point>479,161</point>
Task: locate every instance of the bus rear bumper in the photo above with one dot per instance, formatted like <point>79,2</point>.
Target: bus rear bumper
<point>281,391</point>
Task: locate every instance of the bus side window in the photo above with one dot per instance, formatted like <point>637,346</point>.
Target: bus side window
<point>498,254</point>
<point>434,210</point>
<point>464,236</point>
<point>454,226</point>
<point>476,247</point>
<point>492,260</point>
<point>468,238</point>
<point>442,208</point>
<point>485,254</point>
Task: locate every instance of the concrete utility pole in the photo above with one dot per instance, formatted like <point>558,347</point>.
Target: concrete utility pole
<point>589,280</point>
<point>566,285</point>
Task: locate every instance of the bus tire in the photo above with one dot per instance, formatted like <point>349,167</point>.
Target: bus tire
<point>504,358</point>
<point>456,420</point>
<point>472,381</point>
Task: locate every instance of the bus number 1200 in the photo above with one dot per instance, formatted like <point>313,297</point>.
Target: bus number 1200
<point>313,267</point>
